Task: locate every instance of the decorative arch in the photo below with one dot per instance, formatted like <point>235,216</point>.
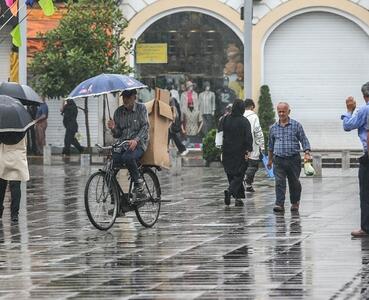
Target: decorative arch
<point>161,8</point>
<point>282,13</point>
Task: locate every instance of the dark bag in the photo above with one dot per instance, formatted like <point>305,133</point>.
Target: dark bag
<point>11,138</point>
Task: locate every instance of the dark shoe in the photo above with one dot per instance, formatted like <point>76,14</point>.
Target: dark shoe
<point>278,208</point>
<point>1,213</point>
<point>238,202</point>
<point>250,189</point>
<point>120,213</point>
<point>227,198</point>
<point>14,219</point>
<point>138,191</point>
<point>359,233</point>
<point>295,207</point>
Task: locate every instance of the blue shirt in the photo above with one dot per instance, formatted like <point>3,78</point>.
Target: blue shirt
<point>42,110</point>
<point>357,121</point>
<point>284,141</point>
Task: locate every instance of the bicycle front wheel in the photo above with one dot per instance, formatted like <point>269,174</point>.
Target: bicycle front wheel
<point>101,200</point>
<point>148,212</point>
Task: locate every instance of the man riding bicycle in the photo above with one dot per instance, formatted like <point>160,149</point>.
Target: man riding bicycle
<point>130,123</point>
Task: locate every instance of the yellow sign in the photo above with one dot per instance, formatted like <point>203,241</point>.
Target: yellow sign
<point>152,53</point>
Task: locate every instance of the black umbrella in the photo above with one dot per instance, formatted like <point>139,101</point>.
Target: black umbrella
<point>13,116</point>
<point>25,94</point>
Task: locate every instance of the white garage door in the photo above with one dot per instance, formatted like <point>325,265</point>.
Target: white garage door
<point>314,61</point>
<point>5,47</point>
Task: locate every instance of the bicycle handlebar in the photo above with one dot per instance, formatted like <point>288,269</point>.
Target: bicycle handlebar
<point>111,147</point>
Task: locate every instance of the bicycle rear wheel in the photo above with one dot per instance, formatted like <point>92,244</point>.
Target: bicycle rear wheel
<point>101,200</point>
<point>148,212</point>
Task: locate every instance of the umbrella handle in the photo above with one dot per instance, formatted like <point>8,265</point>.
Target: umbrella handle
<point>107,104</point>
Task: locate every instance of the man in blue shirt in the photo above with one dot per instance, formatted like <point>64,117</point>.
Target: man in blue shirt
<point>359,121</point>
<point>285,137</point>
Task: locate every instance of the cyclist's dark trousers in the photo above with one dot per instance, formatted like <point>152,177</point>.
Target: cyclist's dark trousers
<point>129,158</point>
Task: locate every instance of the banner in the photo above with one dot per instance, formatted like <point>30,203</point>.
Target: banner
<point>152,53</point>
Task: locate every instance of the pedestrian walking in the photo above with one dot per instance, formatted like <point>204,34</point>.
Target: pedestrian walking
<point>13,170</point>
<point>69,111</point>
<point>359,121</point>
<point>237,145</point>
<point>285,137</point>
<point>40,126</point>
<point>176,127</point>
<point>257,146</point>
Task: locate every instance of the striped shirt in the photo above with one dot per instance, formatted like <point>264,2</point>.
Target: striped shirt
<point>132,124</point>
<point>207,103</point>
<point>284,141</point>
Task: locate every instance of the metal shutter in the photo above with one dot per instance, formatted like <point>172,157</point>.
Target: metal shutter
<point>314,61</point>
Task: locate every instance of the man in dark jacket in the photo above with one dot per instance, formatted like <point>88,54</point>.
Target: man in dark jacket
<point>131,124</point>
<point>70,112</point>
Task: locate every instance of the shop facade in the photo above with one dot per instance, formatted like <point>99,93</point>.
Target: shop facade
<point>311,53</point>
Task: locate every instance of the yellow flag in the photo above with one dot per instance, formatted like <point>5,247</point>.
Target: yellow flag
<point>16,36</point>
<point>47,7</point>
<point>14,67</point>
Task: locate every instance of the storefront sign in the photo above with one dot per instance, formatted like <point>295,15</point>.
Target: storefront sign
<point>152,53</point>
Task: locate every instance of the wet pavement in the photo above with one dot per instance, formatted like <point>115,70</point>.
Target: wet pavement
<point>198,249</point>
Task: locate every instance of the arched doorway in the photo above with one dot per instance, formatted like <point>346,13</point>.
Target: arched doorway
<point>314,60</point>
<point>196,46</point>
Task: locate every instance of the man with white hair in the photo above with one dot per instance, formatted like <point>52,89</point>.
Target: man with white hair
<point>285,137</point>
<point>359,121</point>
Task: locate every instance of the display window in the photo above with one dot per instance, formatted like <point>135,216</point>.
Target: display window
<point>199,59</point>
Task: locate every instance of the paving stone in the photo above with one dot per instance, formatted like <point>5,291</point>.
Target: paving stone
<point>199,249</point>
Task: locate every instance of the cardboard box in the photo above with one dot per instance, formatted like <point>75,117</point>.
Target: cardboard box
<point>160,117</point>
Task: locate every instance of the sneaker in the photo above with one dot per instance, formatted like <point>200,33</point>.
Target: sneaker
<point>184,153</point>
<point>250,189</point>
<point>227,197</point>
<point>139,191</point>
<point>278,208</point>
<point>295,207</point>
<point>238,202</point>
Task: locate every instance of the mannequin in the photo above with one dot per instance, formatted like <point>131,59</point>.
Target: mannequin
<point>192,124</point>
<point>189,97</point>
<point>224,97</point>
<point>207,108</point>
<point>237,85</point>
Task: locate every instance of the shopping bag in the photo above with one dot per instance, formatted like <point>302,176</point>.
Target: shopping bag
<point>269,172</point>
<point>308,169</point>
<point>219,139</point>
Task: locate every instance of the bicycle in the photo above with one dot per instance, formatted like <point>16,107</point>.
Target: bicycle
<point>105,198</point>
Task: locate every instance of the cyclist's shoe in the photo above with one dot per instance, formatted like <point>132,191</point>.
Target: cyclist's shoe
<point>138,192</point>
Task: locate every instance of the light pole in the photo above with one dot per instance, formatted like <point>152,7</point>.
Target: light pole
<point>22,54</point>
<point>247,47</point>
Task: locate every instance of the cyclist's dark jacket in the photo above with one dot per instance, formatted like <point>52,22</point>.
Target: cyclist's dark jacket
<point>132,124</point>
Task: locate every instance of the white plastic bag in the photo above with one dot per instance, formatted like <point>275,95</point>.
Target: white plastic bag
<point>308,169</point>
<point>219,139</point>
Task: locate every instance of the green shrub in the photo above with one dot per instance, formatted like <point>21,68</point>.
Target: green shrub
<point>209,151</point>
<point>266,112</point>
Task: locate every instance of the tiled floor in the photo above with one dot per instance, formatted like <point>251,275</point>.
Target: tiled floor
<point>198,249</point>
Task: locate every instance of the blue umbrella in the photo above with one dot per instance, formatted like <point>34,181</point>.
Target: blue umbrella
<point>104,84</point>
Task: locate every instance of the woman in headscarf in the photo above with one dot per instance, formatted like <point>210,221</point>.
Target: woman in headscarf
<point>237,144</point>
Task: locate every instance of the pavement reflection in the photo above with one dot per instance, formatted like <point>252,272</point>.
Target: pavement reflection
<point>198,250</point>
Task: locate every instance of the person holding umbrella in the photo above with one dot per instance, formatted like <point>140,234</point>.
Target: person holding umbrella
<point>131,124</point>
<point>14,122</point>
